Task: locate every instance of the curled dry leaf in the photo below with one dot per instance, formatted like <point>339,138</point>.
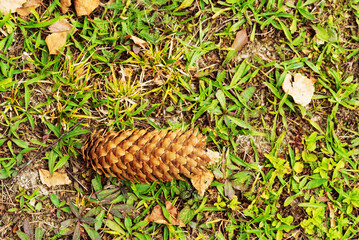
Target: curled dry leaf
<point>158,217</point>
<point>301,89</point>
<point>55,180</point>
<point>26,8</point>
<point>65,5</point>
<point>240,41</point>
<point>202,182</point>
<point>138,41</point>
<point>85,7</point>
<point>57,39</point>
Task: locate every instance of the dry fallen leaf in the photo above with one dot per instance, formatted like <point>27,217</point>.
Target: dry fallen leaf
<point>65,5</point>
<point>137,41</point>
<point>202,182</point>
<point>10,5</point>
<point>85,7</point>
<point>301,89</point>
<point>27,7</point>
<point>240,41</point>
<point>158,217</point>
<point>22,7</point>
<point>57,39</point>
<point>55,180</point>
<point>60,26</point>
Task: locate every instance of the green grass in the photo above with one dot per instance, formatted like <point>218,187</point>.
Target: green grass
<point>287,172</point>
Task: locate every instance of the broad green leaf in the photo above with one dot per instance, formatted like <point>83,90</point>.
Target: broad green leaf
<point>20,143</point>
<point>115,227</point>
<point>221,98</point>
<point>321,33</point>
<point>315,183</point>
<point>306,14</point>
<point>22,235</point>
<point>186,215</point>
<point>54,200</point>
<point>39,233</point>
<point>99,219</point>
<point>239,122</point>
<point>91,232</point>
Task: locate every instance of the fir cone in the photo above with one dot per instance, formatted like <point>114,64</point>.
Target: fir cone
<point>147,156</point>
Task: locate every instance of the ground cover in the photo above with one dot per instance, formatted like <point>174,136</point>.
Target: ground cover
<point>286,170</point>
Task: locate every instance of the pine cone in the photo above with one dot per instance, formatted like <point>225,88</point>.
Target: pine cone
<point>147,156</point>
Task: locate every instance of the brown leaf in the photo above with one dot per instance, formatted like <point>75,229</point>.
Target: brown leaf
<point>202,182</point>
<point>137,41</point>
<point>301,89</point>
<point>56,179</point>
<point>56,41</point>
<point>60,26</point>
<point>158,217</point>
<point>85,7</point>
<point>241,40</point>
<point>65,5</point>
<point>26,8</point>
<point>10,5</point>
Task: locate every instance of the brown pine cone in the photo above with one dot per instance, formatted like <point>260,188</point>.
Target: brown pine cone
<point>146,156</point>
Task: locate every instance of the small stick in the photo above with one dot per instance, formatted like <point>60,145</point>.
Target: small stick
<point>48,148</point>
<point>77,181</point>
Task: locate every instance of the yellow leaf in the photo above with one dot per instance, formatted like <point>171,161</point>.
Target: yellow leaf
<point>185,4</point>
